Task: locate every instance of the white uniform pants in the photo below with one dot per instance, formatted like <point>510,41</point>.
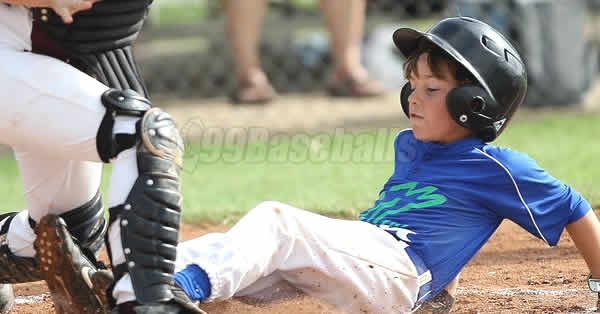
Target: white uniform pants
<point>351,264</point>
<point>49,114</point>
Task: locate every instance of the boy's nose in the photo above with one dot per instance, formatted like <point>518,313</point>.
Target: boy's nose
<point>413,98</point>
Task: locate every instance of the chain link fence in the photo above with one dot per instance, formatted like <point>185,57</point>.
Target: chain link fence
<point>184,52</point>
<point>558,41</point>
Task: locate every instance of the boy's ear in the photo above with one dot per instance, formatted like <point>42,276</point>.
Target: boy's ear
<point>406,91</point>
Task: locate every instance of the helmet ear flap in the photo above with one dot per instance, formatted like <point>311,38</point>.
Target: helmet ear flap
<point>406,91</point>
<point>471,107</point>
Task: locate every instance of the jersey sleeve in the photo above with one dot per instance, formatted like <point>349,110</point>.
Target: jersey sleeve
<point>532,198</point>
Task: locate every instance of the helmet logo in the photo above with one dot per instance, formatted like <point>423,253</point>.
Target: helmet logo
<point>498,124</point>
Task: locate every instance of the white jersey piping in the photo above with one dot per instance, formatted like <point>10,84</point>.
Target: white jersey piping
<point>518,193</point>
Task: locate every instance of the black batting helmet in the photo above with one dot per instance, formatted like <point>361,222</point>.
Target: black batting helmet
<point>485,105</point>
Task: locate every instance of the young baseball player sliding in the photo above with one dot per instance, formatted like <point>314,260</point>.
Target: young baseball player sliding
<point>449,192</point>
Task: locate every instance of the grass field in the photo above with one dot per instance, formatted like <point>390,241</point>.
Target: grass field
<point>316,171</point>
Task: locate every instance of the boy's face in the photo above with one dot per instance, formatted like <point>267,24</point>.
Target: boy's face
<point>429,117</point>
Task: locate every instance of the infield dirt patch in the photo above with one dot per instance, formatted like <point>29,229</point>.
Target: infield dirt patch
<point>513,273</point>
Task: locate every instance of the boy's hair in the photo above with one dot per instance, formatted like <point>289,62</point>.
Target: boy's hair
<point>436,58</point>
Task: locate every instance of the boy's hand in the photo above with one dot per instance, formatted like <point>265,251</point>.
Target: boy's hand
<point>66,8</point>
<point>594,285</point>
<point>441,303</point>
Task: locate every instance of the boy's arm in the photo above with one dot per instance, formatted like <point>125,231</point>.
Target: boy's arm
<point>452,286</point>
<point>585,233</point>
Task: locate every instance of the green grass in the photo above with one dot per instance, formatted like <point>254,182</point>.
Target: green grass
<point>222,182</point>
<point>294,169</point>
<point>565,144</point>
<point>10,185</point>
<point>171,12</point>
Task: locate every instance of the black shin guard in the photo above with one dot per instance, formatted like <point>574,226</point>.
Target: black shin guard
<point>87,224</point>
<point>150,216</point>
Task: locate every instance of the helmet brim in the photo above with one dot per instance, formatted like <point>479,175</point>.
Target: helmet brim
<point>406,40</point>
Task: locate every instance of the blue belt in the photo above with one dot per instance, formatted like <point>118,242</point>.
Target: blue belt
<point>424,273</point>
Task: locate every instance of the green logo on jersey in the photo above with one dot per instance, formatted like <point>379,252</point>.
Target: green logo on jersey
<point>426,198</point>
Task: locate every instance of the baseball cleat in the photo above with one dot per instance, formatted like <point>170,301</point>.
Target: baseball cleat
<point>75,283</point>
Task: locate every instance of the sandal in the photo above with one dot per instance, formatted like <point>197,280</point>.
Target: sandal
<point>354,88</point>
<point>253,92</point>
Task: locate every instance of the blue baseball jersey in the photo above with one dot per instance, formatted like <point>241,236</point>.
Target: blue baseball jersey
<point>446,200</point>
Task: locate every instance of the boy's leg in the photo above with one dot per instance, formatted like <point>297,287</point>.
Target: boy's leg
<point>351,264</point>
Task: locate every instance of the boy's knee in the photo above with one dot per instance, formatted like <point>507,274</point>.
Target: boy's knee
<point>270,204</point>
<point>270,208</point>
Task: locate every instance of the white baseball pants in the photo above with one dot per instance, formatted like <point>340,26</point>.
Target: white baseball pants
<point>351,264</point>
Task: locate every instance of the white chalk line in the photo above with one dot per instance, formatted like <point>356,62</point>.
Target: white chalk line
<point>519,291</point>
<point>31,299</point>
<point>525,291</point>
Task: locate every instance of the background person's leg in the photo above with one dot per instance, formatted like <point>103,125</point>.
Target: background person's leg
<point>244,21</point>
<point>345,21</point>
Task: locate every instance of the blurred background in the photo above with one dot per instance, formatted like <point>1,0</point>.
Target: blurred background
<point>184,52</point>
<point>332,154</point>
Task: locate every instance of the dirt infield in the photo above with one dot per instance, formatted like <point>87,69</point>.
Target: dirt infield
<point>513,273</point>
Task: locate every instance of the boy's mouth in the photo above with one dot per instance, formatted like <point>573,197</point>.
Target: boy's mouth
<point>415,116</point>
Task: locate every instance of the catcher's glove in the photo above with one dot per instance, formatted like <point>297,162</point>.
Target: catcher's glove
<point>98,42</point>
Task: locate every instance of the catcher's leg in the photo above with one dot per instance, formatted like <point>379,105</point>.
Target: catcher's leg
<point>87,225</point>
<point>7,298</point>
<point>144,227</point>
<point>13,268</point>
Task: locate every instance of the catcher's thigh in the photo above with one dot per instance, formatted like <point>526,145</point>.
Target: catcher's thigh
<point>48,108</point>
<point>55,186</point>
<point>50,113</point>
